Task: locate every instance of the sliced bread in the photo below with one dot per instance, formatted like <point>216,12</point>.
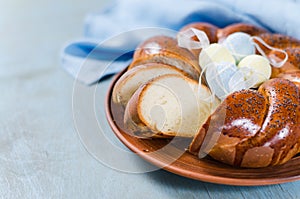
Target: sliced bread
<point>133,78</point>
<point>169,105</point>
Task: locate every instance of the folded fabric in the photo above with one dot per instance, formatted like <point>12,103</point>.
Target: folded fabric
<point>110,36</point>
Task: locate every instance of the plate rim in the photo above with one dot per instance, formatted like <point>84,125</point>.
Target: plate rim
<point>176,170</point>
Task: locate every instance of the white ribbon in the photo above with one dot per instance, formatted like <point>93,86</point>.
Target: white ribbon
<point>185,40</point>
<point>237,82</point>
<point>272,61</point>
<point>211,99</point>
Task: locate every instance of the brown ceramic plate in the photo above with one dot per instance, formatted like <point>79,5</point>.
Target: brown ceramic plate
<point>188,165</point>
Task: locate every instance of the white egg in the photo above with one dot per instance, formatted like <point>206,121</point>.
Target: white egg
<point>257,68</point>
<point>224,78</point>
<point>240,45</point>
<point>215,53</point>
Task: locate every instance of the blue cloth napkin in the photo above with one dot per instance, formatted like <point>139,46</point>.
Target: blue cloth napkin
<point>112,34</point>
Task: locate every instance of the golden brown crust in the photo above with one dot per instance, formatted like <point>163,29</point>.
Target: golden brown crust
<point>280,41</point>
<point>132,121</point>
<point>292,64</point>
<point>265,123</point>
<point>293,56</point>
<point>287,67</point>
<point>236,119</point>
<point>278,129</point>
<point>166,58</point>
<point>163,46</point>
<point>196,143</point>
<point>293,76</point>
<point>239,27</point>
<point>156,44</point>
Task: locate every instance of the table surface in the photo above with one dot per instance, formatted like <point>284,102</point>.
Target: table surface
<point>41,155</point>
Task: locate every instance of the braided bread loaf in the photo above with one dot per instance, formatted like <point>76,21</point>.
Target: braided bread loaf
<point>250,128</point>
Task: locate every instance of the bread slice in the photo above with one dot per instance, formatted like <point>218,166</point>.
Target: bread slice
<point>132,79</point>
<point>169,105</point>
<point>163,49</point>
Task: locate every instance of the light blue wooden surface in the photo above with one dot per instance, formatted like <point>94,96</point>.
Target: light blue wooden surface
<point>41,155</point>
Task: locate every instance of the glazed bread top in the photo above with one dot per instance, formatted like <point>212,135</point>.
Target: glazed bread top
<point>163,49</point>
<point>248,122</point>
